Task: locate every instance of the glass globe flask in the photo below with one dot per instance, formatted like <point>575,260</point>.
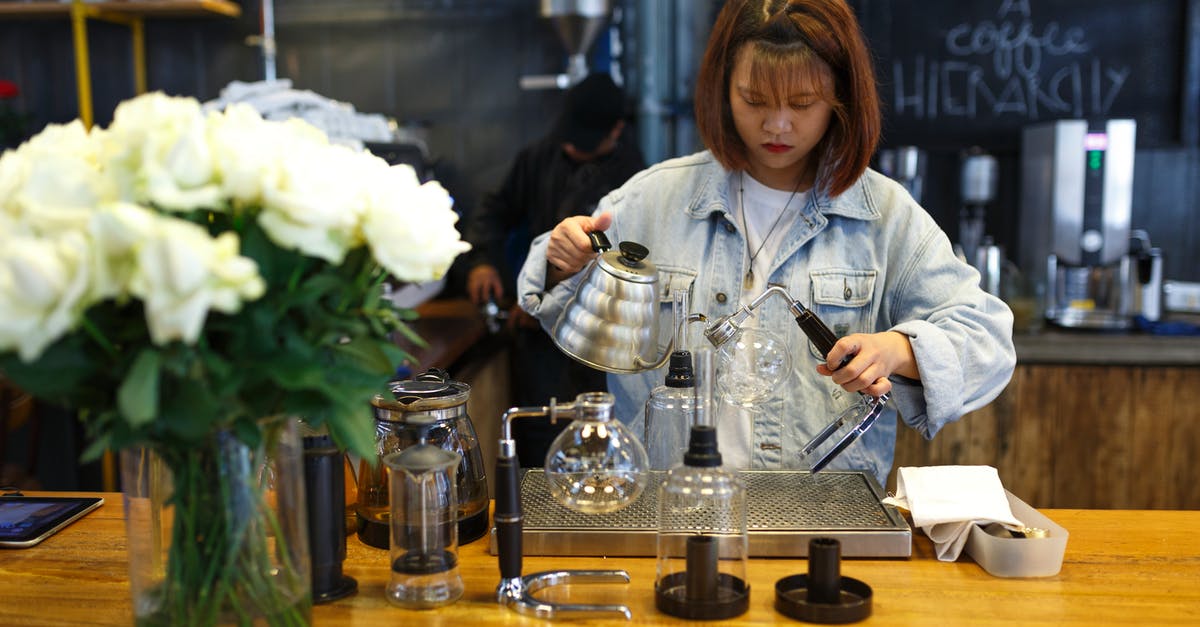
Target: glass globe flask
<point>596,465</point>
<point>752,366</point>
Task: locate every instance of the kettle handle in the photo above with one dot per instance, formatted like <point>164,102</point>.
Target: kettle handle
<point>600,241</point>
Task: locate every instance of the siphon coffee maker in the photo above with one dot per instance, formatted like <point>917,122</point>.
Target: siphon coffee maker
<point>431,393</point>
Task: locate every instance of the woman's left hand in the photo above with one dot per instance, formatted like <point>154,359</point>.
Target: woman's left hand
<point>876,357</point>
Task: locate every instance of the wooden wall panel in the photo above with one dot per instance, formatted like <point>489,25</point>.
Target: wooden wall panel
<point>1026,467</point>
<point>1092,460</point>
<point>1069,436</point>
<point>1165,438</point>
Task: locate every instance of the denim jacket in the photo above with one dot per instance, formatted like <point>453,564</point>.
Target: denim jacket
<point>868,260</point>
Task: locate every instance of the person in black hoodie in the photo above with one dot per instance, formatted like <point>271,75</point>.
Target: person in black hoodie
<point>587,154</point>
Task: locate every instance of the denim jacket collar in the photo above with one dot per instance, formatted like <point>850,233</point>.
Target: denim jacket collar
<point>712,196</point>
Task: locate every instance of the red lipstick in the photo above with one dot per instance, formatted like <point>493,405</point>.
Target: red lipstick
<point>777,148</point>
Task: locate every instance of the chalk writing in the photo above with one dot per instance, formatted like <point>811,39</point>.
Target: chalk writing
<point>1003,67</point>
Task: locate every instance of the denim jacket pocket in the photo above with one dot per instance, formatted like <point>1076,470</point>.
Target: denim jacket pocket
<point>842,299</point>
<point>671,278</point>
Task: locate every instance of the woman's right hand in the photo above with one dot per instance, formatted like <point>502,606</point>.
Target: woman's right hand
<point>569,248</point>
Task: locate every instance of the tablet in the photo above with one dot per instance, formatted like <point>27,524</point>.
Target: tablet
<point>27,520</point>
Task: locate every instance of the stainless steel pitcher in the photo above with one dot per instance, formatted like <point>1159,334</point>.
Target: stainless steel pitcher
<point>611,322</point>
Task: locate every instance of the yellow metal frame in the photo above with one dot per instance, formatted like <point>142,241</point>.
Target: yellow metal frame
<point>80,14</point>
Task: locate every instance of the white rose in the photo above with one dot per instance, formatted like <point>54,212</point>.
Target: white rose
<point>182,273</point>
<point>51,182</point>
<point>318,200</point>
<point>13,170</point>
<point>43,285</point>
<point>157,149</point>
<point>246,153</point>
<point>116,230</point>
<point>410,227</point>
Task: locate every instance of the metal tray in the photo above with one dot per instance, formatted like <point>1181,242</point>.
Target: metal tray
<point>785,510</point>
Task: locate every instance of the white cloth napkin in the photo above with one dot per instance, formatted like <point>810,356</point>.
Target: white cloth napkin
<point>946,500</point>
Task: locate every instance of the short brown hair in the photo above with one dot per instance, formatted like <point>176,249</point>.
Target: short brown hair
<point>793,36</point>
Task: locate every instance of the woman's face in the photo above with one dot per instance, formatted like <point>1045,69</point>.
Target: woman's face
<point>779,136</point>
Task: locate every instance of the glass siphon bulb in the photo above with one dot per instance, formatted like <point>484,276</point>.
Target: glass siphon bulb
<point>752,366</point>
<point>596,465</point>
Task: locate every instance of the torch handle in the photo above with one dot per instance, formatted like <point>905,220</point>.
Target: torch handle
<point>508,517</point>
<point>819,334</point>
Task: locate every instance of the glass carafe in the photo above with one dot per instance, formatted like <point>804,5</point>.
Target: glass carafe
<point>424,527</point>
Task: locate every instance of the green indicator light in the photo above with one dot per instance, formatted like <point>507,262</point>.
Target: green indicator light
<point>1094,159</point>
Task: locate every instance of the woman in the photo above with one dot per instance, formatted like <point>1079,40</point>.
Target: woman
<point>787,106</point>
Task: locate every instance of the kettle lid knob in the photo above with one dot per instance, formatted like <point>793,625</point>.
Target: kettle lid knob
<point>632,253</point>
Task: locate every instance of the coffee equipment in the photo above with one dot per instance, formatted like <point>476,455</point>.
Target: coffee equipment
<point>578,24</point>
<point>1076,198</point>
<point>424,512</point>
<point>701,539</point>
<point>978,189</point>
<point>848,426</point>
<point>325,502</point>
<point>907,165</point>
<point>431,393</point>
<point>598,449</point>
<point>611,321</point>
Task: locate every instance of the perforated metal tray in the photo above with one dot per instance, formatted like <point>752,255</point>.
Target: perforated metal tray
<point>785,510</point>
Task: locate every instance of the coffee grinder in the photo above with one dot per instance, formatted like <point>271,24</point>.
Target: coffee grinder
<point>1076,200</point>
<point>978,186</point>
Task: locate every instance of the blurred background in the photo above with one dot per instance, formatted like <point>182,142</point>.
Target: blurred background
<point>461,85</point>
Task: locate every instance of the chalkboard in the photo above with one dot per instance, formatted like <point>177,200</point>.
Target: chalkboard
<point>957,73</point>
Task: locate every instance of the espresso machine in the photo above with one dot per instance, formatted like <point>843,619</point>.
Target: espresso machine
<point>1076,200</point>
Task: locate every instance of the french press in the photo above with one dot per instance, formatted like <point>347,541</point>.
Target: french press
<point>431,393</point>
<point>424,512</point>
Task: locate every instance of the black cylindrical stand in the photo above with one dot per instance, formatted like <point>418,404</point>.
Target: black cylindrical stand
<point>701,568</point>
<point>824,571</point>
<point>325,489</point>
<point>823,595</point>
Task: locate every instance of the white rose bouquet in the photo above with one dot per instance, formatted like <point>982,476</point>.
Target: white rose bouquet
<point>176,263</point>
<point>182,273</point>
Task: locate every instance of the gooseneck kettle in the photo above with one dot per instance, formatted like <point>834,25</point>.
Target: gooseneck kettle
<point>611,321</point>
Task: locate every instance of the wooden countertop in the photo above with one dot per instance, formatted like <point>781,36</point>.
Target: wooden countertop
<point>1055,346</point>
<point>1121,566</point>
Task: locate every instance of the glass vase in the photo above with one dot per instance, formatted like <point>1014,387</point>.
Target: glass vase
<point>217,533</point>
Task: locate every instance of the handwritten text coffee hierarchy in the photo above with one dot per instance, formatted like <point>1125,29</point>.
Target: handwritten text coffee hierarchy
<point>993,69</point>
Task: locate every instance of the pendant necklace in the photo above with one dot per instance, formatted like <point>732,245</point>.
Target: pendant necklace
<point>748,281</point>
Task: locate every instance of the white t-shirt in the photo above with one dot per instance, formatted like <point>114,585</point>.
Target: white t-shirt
<point>762,207</point>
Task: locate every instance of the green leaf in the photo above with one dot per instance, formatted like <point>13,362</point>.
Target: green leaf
<point>411,335</point>
<point>190,413</point>
<point>368,353</point>
<point>397,355</point>
<point>138,395</point>
<point>96,448</point>
<point>60,375</point>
